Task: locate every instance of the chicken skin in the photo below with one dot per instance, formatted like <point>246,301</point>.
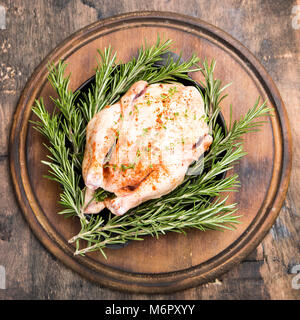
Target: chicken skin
<point>141,147</point>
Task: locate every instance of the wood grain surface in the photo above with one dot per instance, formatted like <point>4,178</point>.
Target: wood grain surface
<point>31,33</point>
<point>177,261</point>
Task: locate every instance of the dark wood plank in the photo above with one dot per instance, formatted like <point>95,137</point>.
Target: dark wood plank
<point>33,31</point>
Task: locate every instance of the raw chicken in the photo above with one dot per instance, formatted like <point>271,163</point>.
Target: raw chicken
<point>141,147</point>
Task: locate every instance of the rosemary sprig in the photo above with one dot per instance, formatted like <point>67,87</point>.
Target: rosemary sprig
<point>61,164</point>
<point>189,205</point>
<point>173,70</point>
<point>155,222</point>
<point>71,121</point>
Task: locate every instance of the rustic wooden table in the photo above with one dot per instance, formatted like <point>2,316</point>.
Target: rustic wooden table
<point>31,29</point>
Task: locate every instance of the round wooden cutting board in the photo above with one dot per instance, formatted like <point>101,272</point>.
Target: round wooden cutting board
<point>175,261</point>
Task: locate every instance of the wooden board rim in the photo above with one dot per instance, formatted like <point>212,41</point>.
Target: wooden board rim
<point>160,283</point>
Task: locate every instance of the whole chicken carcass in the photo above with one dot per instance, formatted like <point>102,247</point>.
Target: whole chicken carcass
<point>141,147</point>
